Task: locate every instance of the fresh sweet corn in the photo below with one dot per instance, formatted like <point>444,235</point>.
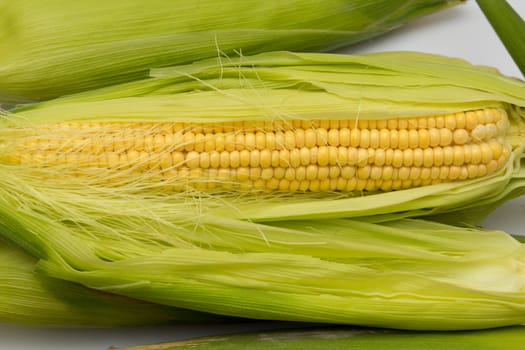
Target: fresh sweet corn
<point>162,227</point>
<point>313,129</point>
<point>57,47</point>
<point>295,155</point>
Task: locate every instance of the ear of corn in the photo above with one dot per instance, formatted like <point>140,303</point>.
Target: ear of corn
<point>404,274</point>
<point>27,297</point>
<point>128,228</point>
<point>350,338</point>
<point>59,47</point>
<point>452,145</point>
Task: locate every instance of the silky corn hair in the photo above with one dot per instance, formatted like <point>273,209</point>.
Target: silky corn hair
<point>296,155</point>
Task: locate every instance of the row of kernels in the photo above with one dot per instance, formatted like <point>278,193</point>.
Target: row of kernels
<point>322,156</point>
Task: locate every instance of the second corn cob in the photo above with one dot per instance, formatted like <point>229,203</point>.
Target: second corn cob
<point>57,47</point>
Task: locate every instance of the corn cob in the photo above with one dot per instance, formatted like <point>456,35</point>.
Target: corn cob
<point>345,143</point>
<point>60,47</point>
<point>299,155</point>
<point>267,253</point>
<point>28,297</point>
<point>349,338</point>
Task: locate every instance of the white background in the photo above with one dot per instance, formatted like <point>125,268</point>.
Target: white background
<point>460,32</point>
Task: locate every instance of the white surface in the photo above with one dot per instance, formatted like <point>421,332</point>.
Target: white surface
<point>459,32</point>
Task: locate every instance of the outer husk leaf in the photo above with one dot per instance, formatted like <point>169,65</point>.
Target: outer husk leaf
<point>57,47</point>
<point>31,298</point>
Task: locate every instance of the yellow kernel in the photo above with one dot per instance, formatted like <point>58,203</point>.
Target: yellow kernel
<point>450,121</point>
<point>486,153</point>
<point>445,137</point>
<point>255,158</point>
<point>266,173</point>
<point>363,172</point>
<point>475,154</point>
<point>415,173</point>
<point>438,156</point>
<point>435,171</point>
<point>418,157</point>
<point>471,120</point>
<point>397,160</point>
<point>460,120</point>
<point>295,158</point>
<point>310,138</point>
<point>300,173</point>
<point>425,173</point>
<point>344,137</point>
<point>235,159</point>
<point>270,141</point>
<point>192,160</point>
<point>460,136</point>
<point>289,174</point>
<point>434,137</point>
<point>284,158</point>
<point>376,172</point>
<point>402,123</point>
<point>379,158</point>
<point>387,173</point>
<point>332,155</point>
<point>458,155</point>
<point>392,123</point>
<point>314,186</point>
<point>204,160</point>
<point>440,121</point>
<point>322,156</point>
<point>403,173</point>
<point>265,158</point>
<point>412,123</point>
<point>322,136</point>
<point>492,166</point>
<point>278,173</point>
<point>424,138</point>
<point>333,137</point>
<point>304,154</point>
<point>384,138</point>
<point>413,138</point>
<point>323,172</point>
<point>362,157</point>
<point>389,156</point>
<point>497,149</point>
<point>299,138</point>
<point>454,172</point>
<point>408,157</point>
<point>311,172</point>
<point>272,184</point>
<point>403,140</point>
<point>348,172</point>
<point>289,139</point>
<point>428,157</point>
<point>448,155</point>
<point>355,137</point>
<point>334,171</point>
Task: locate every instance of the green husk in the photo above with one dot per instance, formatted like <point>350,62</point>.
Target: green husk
<point>335,257</point>
<point>52,48</point>
<point>340,338</point>
<point>509,26</point>
<point>31,298</point>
